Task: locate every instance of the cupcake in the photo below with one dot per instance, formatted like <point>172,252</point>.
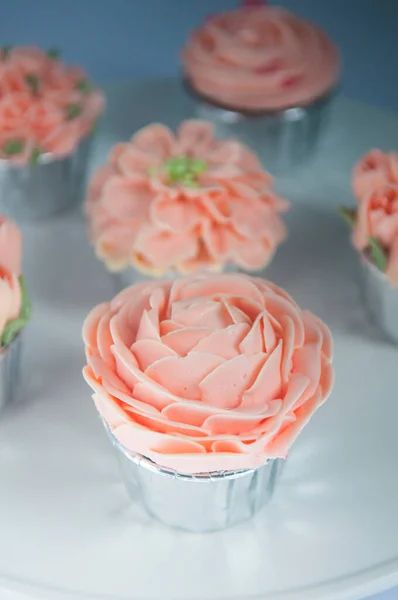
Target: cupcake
<point>47,114</point>
<point>375,235</point>
<point>174,203</point>
<point>14,307</point>
<point>265,75</point>
<point>206,379</point>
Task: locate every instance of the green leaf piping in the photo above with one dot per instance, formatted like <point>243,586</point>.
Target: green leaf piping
<point>53,53</point>
<point>26,304</point>
<point>33,82</point>
<point>13,146</point>
<point>73,110</point>
<point>11,331</point>
<point>377,254</point>
<point>34,157</point>
<point>14,326</point>
<point>349,215</point>
<point>83,86</point>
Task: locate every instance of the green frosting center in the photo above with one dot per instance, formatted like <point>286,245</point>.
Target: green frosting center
<point>182,169</point>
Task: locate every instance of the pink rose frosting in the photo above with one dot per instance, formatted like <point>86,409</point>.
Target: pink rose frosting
<point>375,184</point>
<point>377,217</point>
<point>45,106</point>
<point>373,171</point>
<point>208,373</point>
<point>10,271</point>
<point>260,58</point>
<point>183,201</point>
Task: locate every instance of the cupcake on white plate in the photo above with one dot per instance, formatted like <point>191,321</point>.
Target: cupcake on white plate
<point>14,308</point>
<point>266,75</point>
<point>47,114</point>
<point>170,203</point>
<point>375,235</point>
<point>203,384</point>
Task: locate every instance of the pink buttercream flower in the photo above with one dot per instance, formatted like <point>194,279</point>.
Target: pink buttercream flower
<point>10,271</point>
<point>375,185</point>
<point>45,106</point>
<point>260,59</point>
<point>183,201</point>
<point>207,373</point>
<point>377,218</point>
<point>373,171</point>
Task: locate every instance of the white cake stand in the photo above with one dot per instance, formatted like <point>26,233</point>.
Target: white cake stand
<point>67,530</point>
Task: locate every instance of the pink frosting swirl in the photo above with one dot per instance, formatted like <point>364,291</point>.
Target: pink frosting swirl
<point>373,171</point>
<point>10,270</point>
<point>183,201</point>
<point>207,373</point>
<point>45,106</point>
<point>260,58</point>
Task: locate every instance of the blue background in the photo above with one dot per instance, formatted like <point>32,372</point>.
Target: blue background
<point>124,39</point>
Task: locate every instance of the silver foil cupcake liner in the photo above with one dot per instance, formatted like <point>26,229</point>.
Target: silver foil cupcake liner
<point>35,192</point>
<point>197,503</point>
<point>381,299</point>
<point>283,139</point>
<point>9,371</point>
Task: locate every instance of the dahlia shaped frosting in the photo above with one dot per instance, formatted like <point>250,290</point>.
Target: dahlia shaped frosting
<point>183,201</point>
<point>45,105</point>
<point>207,373</point>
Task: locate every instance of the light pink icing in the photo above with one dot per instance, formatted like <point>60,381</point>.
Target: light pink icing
<point>207,373</point>
<point>45,105</point>
<point>138,218</point>
<point>375,183</point>
<point>377,217</point>
<point>373,171</point>
<point>260,58</point>
<point>10,270</point>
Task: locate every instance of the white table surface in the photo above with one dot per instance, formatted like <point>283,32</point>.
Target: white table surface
<point>63,511</point>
